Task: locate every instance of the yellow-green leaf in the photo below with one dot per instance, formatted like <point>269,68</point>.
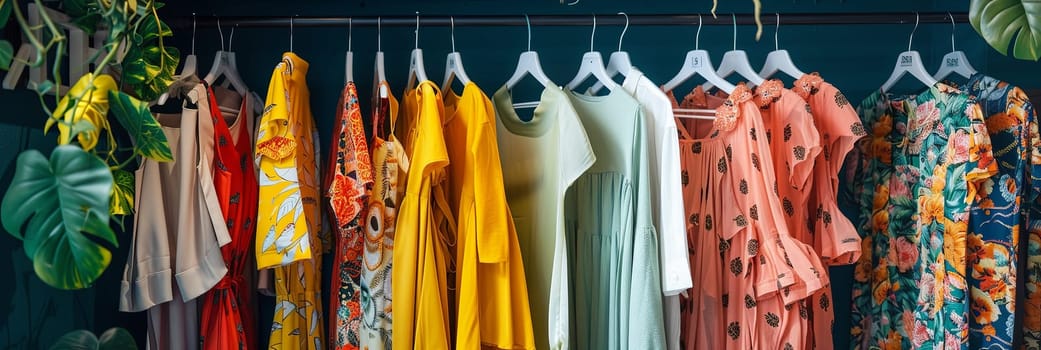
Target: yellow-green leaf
<point>133,114</point>
<point>122,192</point>
<point>6,54</point>
<point>1002,21</point>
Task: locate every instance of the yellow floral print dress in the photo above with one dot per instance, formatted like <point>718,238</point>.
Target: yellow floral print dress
<point>288,219</point>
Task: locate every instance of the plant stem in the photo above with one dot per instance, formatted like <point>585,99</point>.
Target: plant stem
<point>28,33</point>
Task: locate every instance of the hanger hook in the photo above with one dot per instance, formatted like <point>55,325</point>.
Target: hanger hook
<point>350,32</point>
<point>528,21</point>
<point>452,20</point>
<point>776,31</point>
<point>292,23</point>
<point>231,37</point>
<point>573,3</point>
<point>220,32</point>
<point>911,39</point>
<point>954,29</point>
<point>626,28</point>
<point>697,37</point>
<point>379,34</point>
<point>593,35</point>
<point>417,30</point>
<point>733,19</point>
<point>193,33</point>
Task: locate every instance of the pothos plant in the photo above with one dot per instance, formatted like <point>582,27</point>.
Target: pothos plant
<point>63,206</point>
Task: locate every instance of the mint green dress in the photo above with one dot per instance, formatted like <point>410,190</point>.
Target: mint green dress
<point>613,255</point>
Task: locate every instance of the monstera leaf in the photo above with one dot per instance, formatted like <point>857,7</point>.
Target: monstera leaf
<point>112,339</point>
<point>1001,22</point>
<point>52,205</point>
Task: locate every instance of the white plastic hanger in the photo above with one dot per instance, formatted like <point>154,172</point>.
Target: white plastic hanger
<point>528,64</point>
<point>417,73</point>
<point>224,66</point>
<point>619,62</point>
<point>778,60</point>
<point>954,61</point>
<point>909,62</point>
<point>349,56</point>
<point>592,66</point>
<point>697,63</point>
<point>381,75</point>
<point>454,65</point>
<point>736,61</point>
<point>190,66</point>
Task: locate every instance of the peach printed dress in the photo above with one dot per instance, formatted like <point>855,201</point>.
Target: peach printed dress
<point>830,232</point>
<point>744,264</point>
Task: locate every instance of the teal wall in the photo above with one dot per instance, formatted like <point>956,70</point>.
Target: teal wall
<point>856,58</point>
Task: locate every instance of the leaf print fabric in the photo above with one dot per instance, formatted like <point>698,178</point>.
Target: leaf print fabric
<point>288,220</point>
<point>919,171</point>
<point>348,183</point>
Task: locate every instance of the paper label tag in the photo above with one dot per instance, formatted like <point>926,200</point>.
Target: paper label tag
<point>696,62</point>
<point>952,62</point>
<point>905,60</point>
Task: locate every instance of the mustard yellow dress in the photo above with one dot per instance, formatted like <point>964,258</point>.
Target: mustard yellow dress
<point>288,218</point>
<point>425,234</point>
<point>492,307</point>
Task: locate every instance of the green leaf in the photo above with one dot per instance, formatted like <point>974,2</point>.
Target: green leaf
<point>149,140</point>
<point>5,12</point>
<point>6,54</point>
<point>151,29</point>
<point>76,340</point>
<point>51,204</point>
<point>80,127</point>
<point>117,339</point>
<point>122,192</point>
<point>1002,21</point>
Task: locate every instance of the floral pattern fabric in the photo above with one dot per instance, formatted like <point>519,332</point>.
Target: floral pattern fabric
<point>348,183</point>
<point>388,160</point>
<point>920,168</point>
<point>289,218</point>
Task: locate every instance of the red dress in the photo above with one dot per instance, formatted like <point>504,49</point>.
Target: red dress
<point>348,184</point>
<point>227,315</point>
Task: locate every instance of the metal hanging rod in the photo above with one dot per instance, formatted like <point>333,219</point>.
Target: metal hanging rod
<point>576,20</point>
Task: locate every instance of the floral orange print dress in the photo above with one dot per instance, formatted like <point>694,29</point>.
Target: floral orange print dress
<point>389,164</point>
<point>743,260</point>
<point>288,218</point>
<point>927,157</point>
<point>227,316</point>
<point>997,216</point>
<point>348,182</point>
<point>828,231</point>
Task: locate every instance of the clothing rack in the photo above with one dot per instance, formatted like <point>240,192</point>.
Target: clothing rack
<point>822,18</point>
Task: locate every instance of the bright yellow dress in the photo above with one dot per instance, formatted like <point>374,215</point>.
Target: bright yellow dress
<point>288,218</point>
<point>424,238</point>
<point>492,298</point>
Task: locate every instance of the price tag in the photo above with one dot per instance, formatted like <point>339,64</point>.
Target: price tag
<point>953,62</point>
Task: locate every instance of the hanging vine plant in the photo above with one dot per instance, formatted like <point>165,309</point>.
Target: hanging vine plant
<point>61,206</point>
<point>1009,25</point>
